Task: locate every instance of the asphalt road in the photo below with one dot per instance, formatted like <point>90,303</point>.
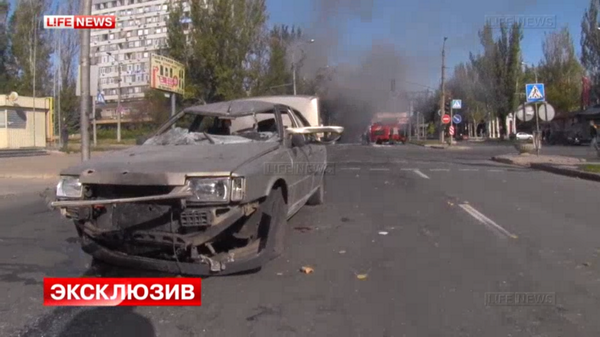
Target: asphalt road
<point>457,227</point>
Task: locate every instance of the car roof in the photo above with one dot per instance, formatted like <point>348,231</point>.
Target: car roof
<point>234,108</point>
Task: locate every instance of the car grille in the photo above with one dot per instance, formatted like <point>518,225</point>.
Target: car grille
<point>124,191</point>
<point>194,218</point>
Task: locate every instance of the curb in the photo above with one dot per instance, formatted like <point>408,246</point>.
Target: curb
<point>566,172</point>
<point>506,161</point>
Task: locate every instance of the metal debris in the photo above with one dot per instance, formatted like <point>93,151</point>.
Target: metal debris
<point>307,270</point>
<point>342,252</point>
<point>362,276</point>
<point>383,233</point>
<point>304,229</point>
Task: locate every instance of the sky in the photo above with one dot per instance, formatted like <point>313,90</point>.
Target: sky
<point>417,27</point>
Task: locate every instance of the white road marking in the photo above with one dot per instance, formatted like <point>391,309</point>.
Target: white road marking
<point>350,168</point>
<point>436,170</point>
<point>379,169</point>
<point>421,174</point>
<point>408,169</point>
<point>496,170</point>
<point>469,170</point>
<point>489,223</point>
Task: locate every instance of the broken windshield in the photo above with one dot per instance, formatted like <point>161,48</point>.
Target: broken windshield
<point>192,129</point>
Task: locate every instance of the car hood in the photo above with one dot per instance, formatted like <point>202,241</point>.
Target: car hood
<point>167,165</point>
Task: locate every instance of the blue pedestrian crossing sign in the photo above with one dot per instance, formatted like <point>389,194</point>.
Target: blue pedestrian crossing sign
<point>457,119</point>
<point>100,98</point>
<point>535,92</point>
<point>456,104</point>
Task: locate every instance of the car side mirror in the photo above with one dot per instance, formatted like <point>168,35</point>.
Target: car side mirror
<point>298,140</point>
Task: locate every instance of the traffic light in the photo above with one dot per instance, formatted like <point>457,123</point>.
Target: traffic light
<point>447,105</point>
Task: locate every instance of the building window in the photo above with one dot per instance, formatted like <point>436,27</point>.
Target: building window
<point>158,30</point>
<point>140,32</point>
<point>111,36</point>
<point>149,42</point>
<point>146,54</point>
<point>146,31</point>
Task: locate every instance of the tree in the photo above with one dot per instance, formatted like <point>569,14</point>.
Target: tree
<point>498,69</point>
<point>278,77</point>
<point>67,53</point>
<point>590,47</point>
<point>6,66</point>
<point>561,70</point>
<point>31,48</point>
<point>222,46</point>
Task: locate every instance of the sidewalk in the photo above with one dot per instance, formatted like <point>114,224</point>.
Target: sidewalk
<point>567,166</point>
<point>42,167</point>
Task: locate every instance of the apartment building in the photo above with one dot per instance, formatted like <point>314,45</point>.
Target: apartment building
<point>140,31</point>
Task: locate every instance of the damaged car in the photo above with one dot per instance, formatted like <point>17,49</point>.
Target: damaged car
<point>210,192</point>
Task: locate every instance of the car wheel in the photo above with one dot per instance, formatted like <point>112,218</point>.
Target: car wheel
<point>318,197</point>
<point>275,221</point>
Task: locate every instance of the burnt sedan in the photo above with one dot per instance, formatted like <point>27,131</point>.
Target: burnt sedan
<point>209,193</point>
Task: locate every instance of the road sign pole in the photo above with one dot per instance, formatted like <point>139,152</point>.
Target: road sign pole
<point>537,132</point>
<point>451,124</point>
<point>94,122</point>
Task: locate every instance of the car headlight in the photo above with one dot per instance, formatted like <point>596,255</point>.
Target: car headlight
<point>217,189</point>
<point>69,187</point>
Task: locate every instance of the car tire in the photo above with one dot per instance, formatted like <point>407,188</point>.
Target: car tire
<point>318,198</point>
<point>275,210</point>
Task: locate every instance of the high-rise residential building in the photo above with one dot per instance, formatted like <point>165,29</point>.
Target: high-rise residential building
<point>141,30</point>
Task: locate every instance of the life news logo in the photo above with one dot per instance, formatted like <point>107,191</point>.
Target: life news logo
<point>122,292</point>
<point>80,22</point>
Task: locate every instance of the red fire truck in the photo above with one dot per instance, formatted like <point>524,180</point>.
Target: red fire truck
<point>387,128</point>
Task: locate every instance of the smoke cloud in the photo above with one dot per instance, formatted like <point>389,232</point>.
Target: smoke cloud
<point>408,50</point>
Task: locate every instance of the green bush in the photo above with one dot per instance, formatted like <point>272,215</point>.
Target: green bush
<point>126,133</point>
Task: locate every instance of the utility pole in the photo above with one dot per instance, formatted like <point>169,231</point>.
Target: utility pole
<point>119,105</point>
<point>85,84</point>
<point>294,62</point>
<point>443,93</point>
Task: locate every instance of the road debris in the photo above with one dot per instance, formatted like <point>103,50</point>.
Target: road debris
<point>344,219</point>
<point>586,264</point>
<point>383,233</point>
<point>307,270</point>
<point>279,274</point>
<point>342,252</point>
<point>451,204</point>
<point>362,276</point>
<point>304,229</point>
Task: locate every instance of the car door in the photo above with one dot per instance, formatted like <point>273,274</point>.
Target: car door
<point>299,183</point>
<point>316,154</point>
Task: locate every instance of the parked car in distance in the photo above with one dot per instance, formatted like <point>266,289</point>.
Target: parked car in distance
<point>524,136</point>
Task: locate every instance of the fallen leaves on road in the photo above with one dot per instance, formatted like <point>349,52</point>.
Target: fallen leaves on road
<point>303,229</point>
<point>362,276</point>
<point>307,270</point>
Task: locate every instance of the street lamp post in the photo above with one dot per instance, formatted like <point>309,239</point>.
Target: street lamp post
<point>443,93</point>
<point>118,98</point>
<point>294,63</point>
